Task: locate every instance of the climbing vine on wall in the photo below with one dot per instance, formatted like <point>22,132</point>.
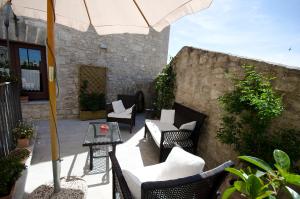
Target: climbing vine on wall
<point>164,87</point>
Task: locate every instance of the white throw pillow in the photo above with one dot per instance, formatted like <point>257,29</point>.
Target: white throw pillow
<point>129,110</point>
<point>188,126</point>
<point>167,116</point>
<point>182,164</point>
<point>118,106</point>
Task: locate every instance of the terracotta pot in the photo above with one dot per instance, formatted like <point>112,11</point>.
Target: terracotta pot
<point>24,98</point>
<point>11,194</point>
<point>22,143</point>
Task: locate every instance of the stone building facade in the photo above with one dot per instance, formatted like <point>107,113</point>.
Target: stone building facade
<point>132,61</point>
<point>203,76</point>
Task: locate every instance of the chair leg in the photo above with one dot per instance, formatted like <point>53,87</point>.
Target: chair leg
<point>160,156</point>
<point>146,129</point>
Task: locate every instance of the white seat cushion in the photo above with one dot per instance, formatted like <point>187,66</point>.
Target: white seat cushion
<point>122,115</point>
<point>118,106</point>
<point>156,127</point>
<point>135,177</point>
<point>167,116</point>
<point>180,164</point>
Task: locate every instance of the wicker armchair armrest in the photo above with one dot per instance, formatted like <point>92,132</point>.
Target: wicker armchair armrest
<point>133,113</point>
<point>176,135</point>
<point>109,108</point>
<point>155,185</point>
<point>118,176</point>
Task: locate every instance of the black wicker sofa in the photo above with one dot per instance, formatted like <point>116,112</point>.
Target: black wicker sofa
<point>187,139</point>
<point>204,185</point>
<point>128,101</point>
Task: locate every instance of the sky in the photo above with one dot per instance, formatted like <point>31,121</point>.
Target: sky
<point>259,29</point>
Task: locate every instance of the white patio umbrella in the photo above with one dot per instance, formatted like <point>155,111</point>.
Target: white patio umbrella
<point>107,17</point>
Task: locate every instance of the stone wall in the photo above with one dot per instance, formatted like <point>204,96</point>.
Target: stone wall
<point>132,60</point>
<point>203,76</point>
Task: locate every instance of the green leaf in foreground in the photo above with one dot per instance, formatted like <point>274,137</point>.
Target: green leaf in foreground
<point>282,159</point>
<point>292,193</point>
<point>292,178</point>
<point>238,173</point>
<point>228,192</point>
<point>253,186</point>
<point>257,162</point>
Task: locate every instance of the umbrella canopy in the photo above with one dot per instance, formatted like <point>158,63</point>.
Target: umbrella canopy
<point>111,16</point>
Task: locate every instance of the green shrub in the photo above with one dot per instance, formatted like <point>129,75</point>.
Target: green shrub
<point>164,87</point>
<point>90,101</point>
<point>10,171</point>
<point>248,113</point>
<point>19,154</point>
<point>5,77</point>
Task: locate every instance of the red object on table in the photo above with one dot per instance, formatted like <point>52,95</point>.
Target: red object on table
<point>104,128</point>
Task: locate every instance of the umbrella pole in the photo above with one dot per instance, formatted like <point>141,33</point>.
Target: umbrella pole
<point>52,94</point>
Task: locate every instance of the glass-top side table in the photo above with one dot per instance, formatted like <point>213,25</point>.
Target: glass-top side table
<point>95,135</point>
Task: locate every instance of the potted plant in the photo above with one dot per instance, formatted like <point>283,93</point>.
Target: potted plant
<point>10,171</point>
<point>23,133</point>
<point>260,180</point>
<point>92,105</point>
<point>20,154</point>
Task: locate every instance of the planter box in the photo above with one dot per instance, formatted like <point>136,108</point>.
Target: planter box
<point>92,115</point>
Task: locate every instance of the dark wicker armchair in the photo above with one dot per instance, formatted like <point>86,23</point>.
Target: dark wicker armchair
<point>128,101</point>
<point>201,186</point>
<point>183,115</point>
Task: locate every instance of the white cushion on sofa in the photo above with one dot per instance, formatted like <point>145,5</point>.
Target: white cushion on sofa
<point>118,106</point>
<point>122,115</point>
<point>135,177</point>
<point>188,126</point>
<point>167,116</point>
<point>180,164</point>
<point>156,127</point>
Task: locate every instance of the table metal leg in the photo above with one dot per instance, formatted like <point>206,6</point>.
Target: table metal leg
<point>91,157</point>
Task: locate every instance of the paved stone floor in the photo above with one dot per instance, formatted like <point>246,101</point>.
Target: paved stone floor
<point>75,159</point>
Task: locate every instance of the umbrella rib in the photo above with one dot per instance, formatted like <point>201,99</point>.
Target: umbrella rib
<point>138,7</point>
<point>87,11</point>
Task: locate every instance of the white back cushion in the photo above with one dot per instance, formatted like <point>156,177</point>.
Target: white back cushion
<point>118,106</point>
<point>188,126</point>
<point>182,164</point>
<point>167,116</point>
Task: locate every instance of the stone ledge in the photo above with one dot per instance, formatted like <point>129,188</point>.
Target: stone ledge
<point>35,102</point>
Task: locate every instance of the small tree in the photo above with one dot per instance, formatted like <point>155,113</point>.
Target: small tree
<point>164,87</point>
<point>249,110</point>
